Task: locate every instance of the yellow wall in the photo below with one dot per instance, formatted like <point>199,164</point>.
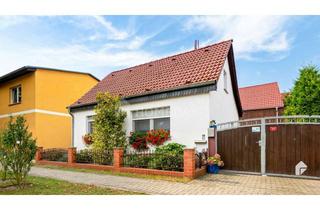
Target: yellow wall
<point>47,90</point>
<point>53,131</point>
<point>31,123</point>
<point>55,90</point>
<point>27,83</point>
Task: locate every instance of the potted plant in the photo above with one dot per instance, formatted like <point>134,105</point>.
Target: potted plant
<point>214,164</point>
<point>87,138</point>
<point>157,137</point>
<point>138,140</point>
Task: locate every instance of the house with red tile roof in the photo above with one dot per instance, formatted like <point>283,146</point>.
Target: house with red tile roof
<point>181,93</point>
<point>263,100</point>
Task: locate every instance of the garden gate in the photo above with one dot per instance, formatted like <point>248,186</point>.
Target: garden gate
<point>287,145</point>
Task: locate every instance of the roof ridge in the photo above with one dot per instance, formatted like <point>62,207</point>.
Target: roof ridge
<point>269,83</point>
<point>169,56</point>
<point>47,68</point>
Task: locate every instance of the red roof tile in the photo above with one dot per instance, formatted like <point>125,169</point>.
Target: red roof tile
<point>261,96</point>
<point>188,68</point>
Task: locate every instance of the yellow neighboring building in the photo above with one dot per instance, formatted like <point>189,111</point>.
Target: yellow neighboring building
<point>42,95</point>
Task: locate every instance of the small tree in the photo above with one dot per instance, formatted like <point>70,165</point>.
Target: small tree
<point>3,159</point>
<point>304,98</point>
<point>108,131</point>
<point>19,148</point>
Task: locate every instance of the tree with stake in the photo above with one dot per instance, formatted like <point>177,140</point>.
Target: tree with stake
<point>108,130</point>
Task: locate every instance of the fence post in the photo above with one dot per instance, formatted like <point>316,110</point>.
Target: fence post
<point>38,153</point>
<point>72,152</point>
<point>189,163</point>
<point>263,146</point>
<point>117,158</point>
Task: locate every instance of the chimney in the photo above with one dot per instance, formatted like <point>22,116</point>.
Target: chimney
<point>196,44</point>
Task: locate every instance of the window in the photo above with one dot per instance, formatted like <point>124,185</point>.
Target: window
<point>148,119</point>
<point>15,95</point>
<point>90,124</point>
<point>162,123</point>
<point>142,125</point>
<point>225,81</point>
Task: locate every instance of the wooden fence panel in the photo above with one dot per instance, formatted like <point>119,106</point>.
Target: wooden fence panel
<point>239,149</point>
<point>287,145</point>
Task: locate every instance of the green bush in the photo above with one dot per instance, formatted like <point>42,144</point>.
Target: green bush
<point>171,148</point>
<point>95,156</point>
<point>60,155</point>
<point>18,148</point>
<point>137,160</point>
<point>84,156</point>
<point>166,157</point>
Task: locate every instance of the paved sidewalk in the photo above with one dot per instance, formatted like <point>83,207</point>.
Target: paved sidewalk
<point>234,184</point>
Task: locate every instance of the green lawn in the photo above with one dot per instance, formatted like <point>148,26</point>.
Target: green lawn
<point>157,177</point>
<point>46,186</point>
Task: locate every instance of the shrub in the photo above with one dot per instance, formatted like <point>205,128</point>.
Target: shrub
<point>60,155</point>
<point>84,156</point>
<point>173,148</point>
<point>170,156</point>
<point>137,160</point>
<point>19,148</point>
<point>95,156</point>
<point>3,159</point>
<point>166,157</point>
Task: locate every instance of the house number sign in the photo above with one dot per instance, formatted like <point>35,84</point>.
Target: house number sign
<point>255,129</point>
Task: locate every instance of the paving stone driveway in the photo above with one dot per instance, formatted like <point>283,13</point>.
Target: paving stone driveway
<point>221,184</point>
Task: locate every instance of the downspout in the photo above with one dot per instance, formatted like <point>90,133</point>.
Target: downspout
<point>72,127</point>
<point>277,114</point>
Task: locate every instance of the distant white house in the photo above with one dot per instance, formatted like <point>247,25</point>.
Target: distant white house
<point>181,93</point>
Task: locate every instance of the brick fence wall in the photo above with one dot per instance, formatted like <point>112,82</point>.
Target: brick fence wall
<point>189,171</point>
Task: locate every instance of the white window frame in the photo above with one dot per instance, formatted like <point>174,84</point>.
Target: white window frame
<point>89,120</point>
<point>151,119</point>
<point>18,98</point>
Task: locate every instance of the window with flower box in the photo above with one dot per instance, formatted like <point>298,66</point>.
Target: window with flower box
<point>151,119</point>
<point>90,123</point>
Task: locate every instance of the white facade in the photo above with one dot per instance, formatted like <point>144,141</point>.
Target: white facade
<point>223,107</point>
<point>189,115</point>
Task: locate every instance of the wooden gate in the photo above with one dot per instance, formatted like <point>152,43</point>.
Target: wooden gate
<point>240,149</point>
<point>288,144</point>
<point>274,145</point>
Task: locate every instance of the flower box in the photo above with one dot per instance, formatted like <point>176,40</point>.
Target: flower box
<point>87,139</point>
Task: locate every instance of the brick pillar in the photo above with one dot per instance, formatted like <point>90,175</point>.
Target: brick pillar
<point>117,158</point>
<point>38,153</point>
<point>189,163</point>
<point>72,152</point>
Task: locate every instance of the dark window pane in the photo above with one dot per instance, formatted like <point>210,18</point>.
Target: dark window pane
<point>163,123</point>
<point>90,127</point>
<point>142,125</point>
